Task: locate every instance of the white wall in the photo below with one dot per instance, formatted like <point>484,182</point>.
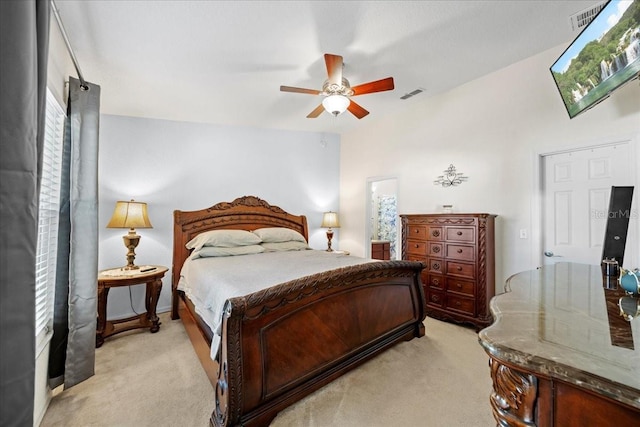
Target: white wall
<point>491,130</point>
<point>188,166</point>
<point>59,64</point>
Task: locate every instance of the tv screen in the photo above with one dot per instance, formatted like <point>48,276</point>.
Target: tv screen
<point>602,58</point>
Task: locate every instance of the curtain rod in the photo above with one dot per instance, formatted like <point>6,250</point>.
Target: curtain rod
<point>83,83</point>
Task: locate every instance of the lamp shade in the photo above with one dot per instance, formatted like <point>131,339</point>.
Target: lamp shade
<point>336,104</point>
<point>330,220</point>
<point>130,215</point>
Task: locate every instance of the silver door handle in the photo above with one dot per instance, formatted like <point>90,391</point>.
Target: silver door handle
<point>550,254</point>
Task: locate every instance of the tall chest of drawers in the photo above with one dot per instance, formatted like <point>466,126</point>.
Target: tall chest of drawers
<point>459,253</point>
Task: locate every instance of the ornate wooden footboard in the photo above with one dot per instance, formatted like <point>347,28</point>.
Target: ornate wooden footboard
<point>280,344</point>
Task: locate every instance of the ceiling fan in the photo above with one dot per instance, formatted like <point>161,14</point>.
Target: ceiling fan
<point>337,90</point>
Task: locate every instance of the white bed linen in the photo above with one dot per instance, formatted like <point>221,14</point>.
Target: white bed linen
<point>210,282</point>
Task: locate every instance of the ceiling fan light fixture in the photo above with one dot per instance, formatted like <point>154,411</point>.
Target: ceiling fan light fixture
<point>336,104</point>
<point>337,91</point>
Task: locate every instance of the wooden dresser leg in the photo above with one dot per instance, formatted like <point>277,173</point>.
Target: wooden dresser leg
<point>513,397</point>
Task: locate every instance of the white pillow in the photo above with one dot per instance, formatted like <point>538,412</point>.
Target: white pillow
<point>217,251</point>
<point>224,239</point>
<point>279,234</point>
<point>291,245</point>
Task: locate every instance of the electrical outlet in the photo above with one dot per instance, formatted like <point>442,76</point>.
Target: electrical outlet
<point>523,233</point>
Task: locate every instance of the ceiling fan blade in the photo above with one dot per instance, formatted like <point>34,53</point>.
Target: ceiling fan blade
<point>334,68</point>
<point>299,90</point>
<point>371,87</point>
<point>357,110</point>
<point>315,113</point>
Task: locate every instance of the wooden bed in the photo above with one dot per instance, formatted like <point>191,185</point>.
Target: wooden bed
<point>343,317</point>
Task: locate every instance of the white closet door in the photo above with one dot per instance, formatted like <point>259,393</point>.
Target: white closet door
<point>576,187</point>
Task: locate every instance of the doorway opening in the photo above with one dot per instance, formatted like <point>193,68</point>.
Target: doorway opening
<point>382,215</point>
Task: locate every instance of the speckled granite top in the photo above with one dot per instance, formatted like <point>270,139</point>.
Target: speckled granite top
<point>565,322</point>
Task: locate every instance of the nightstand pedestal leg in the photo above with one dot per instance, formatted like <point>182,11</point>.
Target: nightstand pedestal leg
<point>151,302</point>
<point>103,292</point>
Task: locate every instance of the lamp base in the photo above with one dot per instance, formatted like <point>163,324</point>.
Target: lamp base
<point>131,240</point>
<point>329,237</point>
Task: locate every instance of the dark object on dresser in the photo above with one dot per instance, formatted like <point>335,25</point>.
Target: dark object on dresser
<point>615,238</point>
<point>459,280</point>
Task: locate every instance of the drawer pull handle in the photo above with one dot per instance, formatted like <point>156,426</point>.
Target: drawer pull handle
<point>459,285</point>
<point>459,233</point>
<point>459,251</point>
<point>436,249</point>
<point>436,281</point>
<point>435,233</point>
<point>458,303</point>
<point>459,268</point>
<point>417,231</point>
<point>417,245</point>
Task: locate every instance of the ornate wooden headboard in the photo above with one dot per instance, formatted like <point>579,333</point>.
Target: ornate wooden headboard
<point>244,213</point>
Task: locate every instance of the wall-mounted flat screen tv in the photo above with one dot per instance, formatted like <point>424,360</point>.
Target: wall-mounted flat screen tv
<point>602,58</point>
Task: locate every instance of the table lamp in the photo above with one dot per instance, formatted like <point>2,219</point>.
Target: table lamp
<point>130,215</point>
<point>330,220</point>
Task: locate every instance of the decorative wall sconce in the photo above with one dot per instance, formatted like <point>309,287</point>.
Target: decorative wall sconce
<point>450,177</point>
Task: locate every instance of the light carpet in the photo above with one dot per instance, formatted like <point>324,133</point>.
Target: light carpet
<point>143,379</point>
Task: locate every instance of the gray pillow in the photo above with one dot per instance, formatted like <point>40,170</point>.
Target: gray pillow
<point>278,234</point>
<point>224,239</point>
<point>291,245</point>
<point>218,251</point>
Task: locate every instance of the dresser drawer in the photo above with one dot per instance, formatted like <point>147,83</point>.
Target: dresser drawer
<point>380,250</point>
<point>416,247</point>
<point>460,303</point>
<point>379,253</point>
<point>461,252</point>
<point>417,232</point>
<point>434,233</point>
<point>413,257</point>
<point>434,249</point>
<point>435,265</point>
<point>435,281</point>
<point>461,269</point>
<point>460,286</point>
<point>424,277</point>
<point>435,298</point>
<point>461,234</point>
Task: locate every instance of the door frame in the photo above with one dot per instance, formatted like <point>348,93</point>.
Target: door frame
<point>537,214</point>
<point>368,213</point>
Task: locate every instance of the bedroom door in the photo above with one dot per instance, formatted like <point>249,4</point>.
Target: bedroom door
<point>576,186</point>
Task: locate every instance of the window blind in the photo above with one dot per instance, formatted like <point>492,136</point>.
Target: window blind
<point>48,219</point>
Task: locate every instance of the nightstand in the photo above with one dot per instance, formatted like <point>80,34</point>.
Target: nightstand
<point>151,275</point>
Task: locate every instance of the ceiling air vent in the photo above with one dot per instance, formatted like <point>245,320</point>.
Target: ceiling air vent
<point>410,94</point>
<point>582,18</point>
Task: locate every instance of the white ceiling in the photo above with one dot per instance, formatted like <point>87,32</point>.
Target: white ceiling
<point>224,61</point>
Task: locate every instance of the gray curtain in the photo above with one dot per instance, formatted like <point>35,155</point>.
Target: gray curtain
<point>24,44</point>
<point>72,355</point>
